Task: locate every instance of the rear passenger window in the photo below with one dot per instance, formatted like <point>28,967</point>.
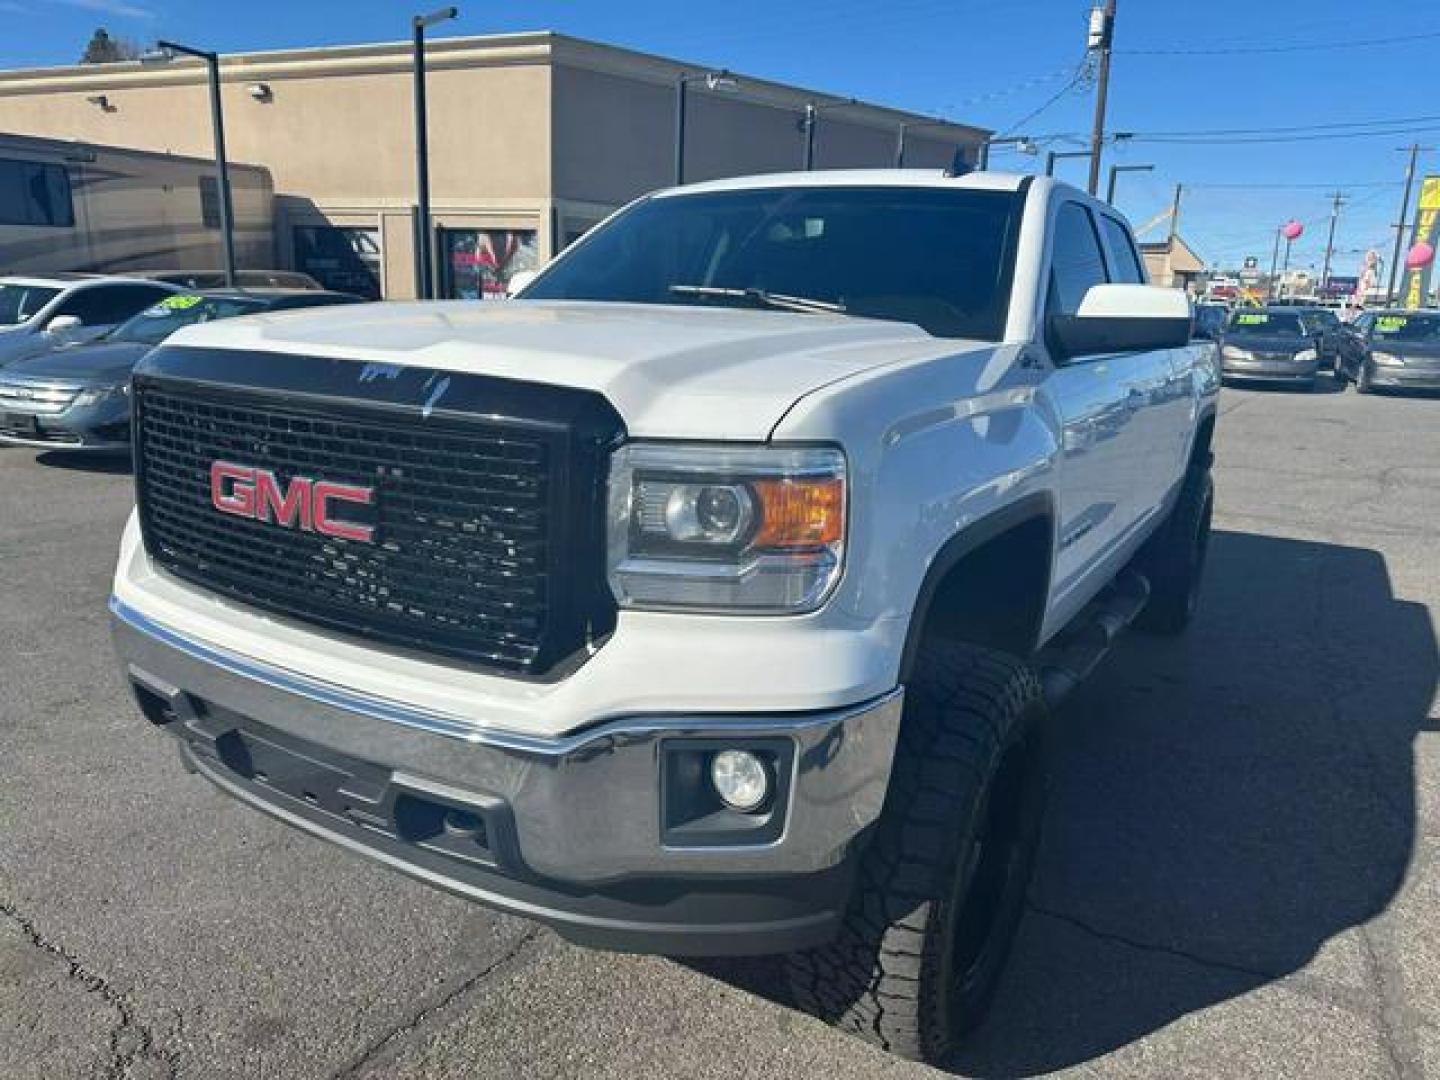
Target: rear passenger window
<point>1076,262</point>
<point>1126,264</point>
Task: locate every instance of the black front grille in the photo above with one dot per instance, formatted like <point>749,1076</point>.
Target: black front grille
<point>487,527</point>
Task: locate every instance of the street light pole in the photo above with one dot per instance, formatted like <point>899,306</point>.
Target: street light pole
<point>1274,261</point>
<point>1102,35</point>
<point>424,257</point>
<point>809,122</point>
<point>1115,171</point>
<point>715,80</point>
<point>1055,155</point>
<point>222,168</point>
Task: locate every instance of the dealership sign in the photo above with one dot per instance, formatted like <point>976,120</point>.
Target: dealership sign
<point>1415,285</point>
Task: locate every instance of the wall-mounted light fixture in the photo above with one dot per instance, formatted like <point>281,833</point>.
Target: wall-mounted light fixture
<point>260,91</point>
<point>101,102</point>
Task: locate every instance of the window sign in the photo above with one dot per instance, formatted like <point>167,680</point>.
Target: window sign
<point>477,264</point>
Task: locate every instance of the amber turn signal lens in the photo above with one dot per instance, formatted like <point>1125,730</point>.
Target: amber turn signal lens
<point>800,513</point>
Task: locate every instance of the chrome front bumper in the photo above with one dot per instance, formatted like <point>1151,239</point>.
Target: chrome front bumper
<point>578,828</point>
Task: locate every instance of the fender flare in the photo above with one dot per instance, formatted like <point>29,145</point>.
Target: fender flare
<point>1036,505</point>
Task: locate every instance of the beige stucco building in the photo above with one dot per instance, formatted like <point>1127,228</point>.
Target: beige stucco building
<point>533,138</point>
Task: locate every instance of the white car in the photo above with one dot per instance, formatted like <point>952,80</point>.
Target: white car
<point>710,596</point>
<point>43,312</point>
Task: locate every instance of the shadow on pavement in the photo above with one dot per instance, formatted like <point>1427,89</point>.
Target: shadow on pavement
<point>116,463</point>
<point>1222,805</point>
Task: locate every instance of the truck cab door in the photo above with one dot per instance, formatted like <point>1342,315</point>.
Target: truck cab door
<point>1092,405</point>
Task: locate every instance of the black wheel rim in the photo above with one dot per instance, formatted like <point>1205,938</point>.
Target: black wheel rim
<point>994,876</point>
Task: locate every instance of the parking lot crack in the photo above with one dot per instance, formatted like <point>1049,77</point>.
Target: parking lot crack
<point>131,1041</point>
<point>415,1022</point>
<point>1151,947</point>
<point>1404,1059</point>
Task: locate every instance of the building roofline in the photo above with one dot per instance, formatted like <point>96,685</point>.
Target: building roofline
<point>527,47</point>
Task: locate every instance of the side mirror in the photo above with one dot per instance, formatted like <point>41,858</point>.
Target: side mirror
<point>519,281</point>
<point>1122,318</point>
<point>62,324</point>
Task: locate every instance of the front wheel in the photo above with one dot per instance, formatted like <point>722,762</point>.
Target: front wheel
<point>942,883</point>
<point>1363,384</point>
<point>1174,558</point>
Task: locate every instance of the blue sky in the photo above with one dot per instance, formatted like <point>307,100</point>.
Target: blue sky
<point>985,61</point>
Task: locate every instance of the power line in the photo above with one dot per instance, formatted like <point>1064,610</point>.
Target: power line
<point>1313,46</point>
<point>1285,129</point>
<point>1081,70</point>
<point>1391,132</point>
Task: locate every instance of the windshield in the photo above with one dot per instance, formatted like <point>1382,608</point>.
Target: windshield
<point>155,324</point>
<point>19,303</point>
<point>1270,323</point>
<point>1412,328</point>
<point>938,258</point>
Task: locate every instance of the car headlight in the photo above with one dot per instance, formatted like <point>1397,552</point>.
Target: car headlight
<point>1386,359</point>
<point>746,529</point>
<point>1306,355</point>
<point>95,395</point>
<point>1230,352</point>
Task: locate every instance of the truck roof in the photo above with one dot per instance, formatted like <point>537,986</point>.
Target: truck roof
<point>973,181</point>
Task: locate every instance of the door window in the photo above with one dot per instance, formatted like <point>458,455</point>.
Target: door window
<point>104,305</point>
<point>477,264</point>
<point>1076,261</point>
<point>1125,264</point>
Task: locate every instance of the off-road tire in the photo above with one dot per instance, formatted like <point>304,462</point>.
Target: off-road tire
<point>1362,381</point>
<point>1174,558</point>
<point>932,917</point>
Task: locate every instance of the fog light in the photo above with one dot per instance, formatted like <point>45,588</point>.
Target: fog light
<point>741,780</point>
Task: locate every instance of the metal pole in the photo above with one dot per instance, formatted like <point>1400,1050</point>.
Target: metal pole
<point>900,147</point>
<point>680,84</point>
<point>1050,163</point>
<point>423,257</point>
<point>1102,93</point>
<point>1338,198</point>
<point>982,158</point>
<point>1400,223</point>
<point>810,112</point>
<point>1175,216</point>
<point>1110,185</point>
<point>1286,268</point>
<point>222,171</point>
<point>1274,262</point>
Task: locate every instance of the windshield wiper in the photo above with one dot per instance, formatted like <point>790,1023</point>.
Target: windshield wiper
<point>779,301</point>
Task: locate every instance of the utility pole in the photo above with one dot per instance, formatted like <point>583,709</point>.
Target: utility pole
<point>1337,200</point>
<point>1400,222</point>
<point>1102,35</point>
<point>1174,219</point>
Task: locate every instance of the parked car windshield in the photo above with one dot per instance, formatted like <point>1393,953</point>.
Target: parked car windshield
<point>1413,328</point>
<point>155,324</point>
<point>1270,323</point>
<point>20,302</point>
<point>938,258</point>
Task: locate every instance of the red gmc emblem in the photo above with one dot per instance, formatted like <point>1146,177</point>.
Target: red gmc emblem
<point>307,505</point>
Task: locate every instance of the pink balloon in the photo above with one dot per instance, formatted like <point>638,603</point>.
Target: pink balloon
<point>1422,254</point>
<point>1292,230</point>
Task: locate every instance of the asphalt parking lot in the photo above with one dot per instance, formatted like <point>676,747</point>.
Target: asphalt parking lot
<point>1240,875</point>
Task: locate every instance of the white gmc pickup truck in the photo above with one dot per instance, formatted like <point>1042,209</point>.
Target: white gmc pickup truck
<point>710,597</point>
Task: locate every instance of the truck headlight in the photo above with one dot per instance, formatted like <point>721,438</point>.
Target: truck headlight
<point>1385,359</point>
<point>1230,352</point>
<point>757,529</point>
<point>1306,355</point>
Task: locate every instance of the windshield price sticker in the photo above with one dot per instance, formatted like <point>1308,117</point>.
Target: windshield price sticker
<point>180,302</point>
<point>1388,324</point>
<point>1249,318</point>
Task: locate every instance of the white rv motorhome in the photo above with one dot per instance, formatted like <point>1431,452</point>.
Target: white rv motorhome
<point>71,206</point>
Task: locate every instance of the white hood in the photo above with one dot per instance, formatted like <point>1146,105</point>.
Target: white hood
<point>691,372</point>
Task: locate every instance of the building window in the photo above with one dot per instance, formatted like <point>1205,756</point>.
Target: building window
<point>209,202</point>
<point>34,193</point>
<point>477,264</point>
<point>346,260</point>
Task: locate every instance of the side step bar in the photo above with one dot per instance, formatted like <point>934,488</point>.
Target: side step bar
<point>1065,662</point>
